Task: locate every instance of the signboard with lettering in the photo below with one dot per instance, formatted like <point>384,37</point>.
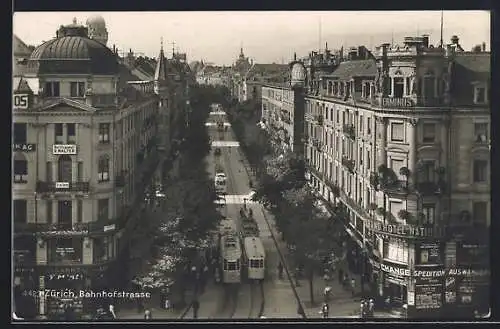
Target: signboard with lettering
<point>62,185</point>
<point>20,101</point>
<point>410,231</point>
<point>428,293</point>
<point>395,270</point>
<point>396,102</point>
<point>24,147</point>
<point>63,149</point>
<point>109,227</point>
<point>429,253</point>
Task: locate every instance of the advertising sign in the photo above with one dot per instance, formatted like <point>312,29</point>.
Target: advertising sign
<point>63,149</point>
<point>429,253</point>
<point>428,293</point>
<point>410,231</point>
<point>396,102</point>
<point>20,101</point>
<point>24,147</point>
<point>62,185</point>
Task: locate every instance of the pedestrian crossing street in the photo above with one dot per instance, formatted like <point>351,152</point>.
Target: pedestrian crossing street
<point>235,199</point>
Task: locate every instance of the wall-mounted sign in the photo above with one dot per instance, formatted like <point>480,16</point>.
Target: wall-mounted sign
<point>405,229</point>
<point>428,293</point>
<point>395,270</point>
<point>20,101</point>
<point>396,102</point>
<point>63,149</point>
<point>24,147</point>
<point>429,274</point>
<point>62,185</point>
<point>109,227</point>
<point>65,250</point>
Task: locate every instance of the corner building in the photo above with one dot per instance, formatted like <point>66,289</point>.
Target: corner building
<point>85,152</point>
<point>403,133</point>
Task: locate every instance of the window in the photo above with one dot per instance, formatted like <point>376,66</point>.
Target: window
<point>361,122</point>
<point>396,165</point>
<point>396,250</point>
<point>368,126</point>
<point>48,171</point>
<point>65,214</point>
<point>480,95</point>
<point>395,207</point>
<point>481,132</point>
<point>429,85</point>
<point>52,89</point>
<point>397,132</point>
<point>20,133</point>
<point>429,211</point>
<point>65,170</point>
<point>104,132</point>
<point>398,87</point>
<point>103,169</point>
<point>71,129</point>
<point>480,212</point>
<point>50,213</point>
<point>331,114</point>
<point>429,132</point>
<point>77,89</point>
<point>58,133</point>
<point>368,159</point>
<point>103,209</point>
<point>480,167</point>
<point>80,171</point>
<point>20,169</point>
<point>427,171</point>
<point>20,211</point>
<point>79,210</point>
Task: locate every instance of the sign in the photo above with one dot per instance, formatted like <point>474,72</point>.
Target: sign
<point>24,147</point>
<point>468,272</point>
<point>65,250</point>
<point>405,229</point>
<point>429,253</point>
<point>399,271</point>
<point>411,299</point>
<point>428,274</point>
<point>109,227</point>
<point>20,101</point>
<point>428,293</point>
<point>396,102</point>
<point>63,149</point>
<point>62,185</point>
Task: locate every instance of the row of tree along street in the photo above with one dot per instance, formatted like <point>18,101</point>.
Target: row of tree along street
<point>182,226</point>
<point>312,236</point>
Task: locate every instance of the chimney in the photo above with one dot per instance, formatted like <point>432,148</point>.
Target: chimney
<point>425,41</point>
<point>454,40</point>
<point>483,47</point>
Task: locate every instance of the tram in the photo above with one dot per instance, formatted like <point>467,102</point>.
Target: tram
<point>230,253</point>
<point>254,258</point>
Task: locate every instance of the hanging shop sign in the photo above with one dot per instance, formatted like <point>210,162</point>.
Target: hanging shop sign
<point>410,231</point>
<point>395,270</point>
<point>24,147</point>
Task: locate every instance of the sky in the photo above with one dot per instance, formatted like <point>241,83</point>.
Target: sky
<point>266,37</point>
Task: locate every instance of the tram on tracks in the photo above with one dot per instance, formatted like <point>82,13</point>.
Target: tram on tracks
<point>231,256</point>
<point>254,258</point>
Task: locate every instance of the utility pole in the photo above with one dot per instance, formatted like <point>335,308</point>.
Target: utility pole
<point>441,32</point>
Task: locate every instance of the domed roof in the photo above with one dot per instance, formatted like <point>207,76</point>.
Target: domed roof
<point>73,54</point>
<point>96,21</point>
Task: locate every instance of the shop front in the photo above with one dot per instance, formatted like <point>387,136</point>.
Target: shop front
<point>395,279</point>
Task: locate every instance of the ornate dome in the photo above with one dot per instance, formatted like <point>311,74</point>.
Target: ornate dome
<point>298,74</point>
<point>96,21</point>
<point>73,53</point>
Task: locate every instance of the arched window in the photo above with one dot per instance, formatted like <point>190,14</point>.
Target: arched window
<point>64,172</point>
<point>103,168</point>
<point>429,84</point>
<point>20,169</point>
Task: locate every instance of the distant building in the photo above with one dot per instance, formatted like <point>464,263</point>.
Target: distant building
<point>21,54</point>
<point>97,29</point>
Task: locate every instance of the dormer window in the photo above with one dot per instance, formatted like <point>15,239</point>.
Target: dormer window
<point>480,94</point>
<point>77,89</point>
<point>52,89</point>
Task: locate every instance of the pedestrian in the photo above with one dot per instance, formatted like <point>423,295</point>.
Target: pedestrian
<point>371,308</point>
<point>148,315</point>
<point>112,311</point>
<point>196,307</point>
<point>325,310</point>
<point>326,293</point>
<point>326,276</point>
<point>353,286</point>
<point>362,309</point>
<point>280,270</point>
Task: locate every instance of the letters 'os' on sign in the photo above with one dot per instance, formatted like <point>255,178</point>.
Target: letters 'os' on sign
<point>20,101</point>
<point>63,149</point>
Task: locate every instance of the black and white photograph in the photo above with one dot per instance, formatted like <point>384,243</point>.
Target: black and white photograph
<point>251,166</point>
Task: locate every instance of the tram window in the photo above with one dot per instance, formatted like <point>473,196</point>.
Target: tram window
<point>238,264</point>
<point>255,263</point>
<point>232,266</point>
<point>261,263</point>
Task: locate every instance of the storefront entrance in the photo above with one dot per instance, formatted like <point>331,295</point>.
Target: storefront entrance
<point>395,291</point>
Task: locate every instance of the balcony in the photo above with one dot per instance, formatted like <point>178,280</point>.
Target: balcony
<point>348,163</point>
<point>430,188</point>
<point>101,226</point>
<point>321,176</point>
<point>397,188</point>
<point>349,131</point>
<point>62,187</point>
<point>69,229</point>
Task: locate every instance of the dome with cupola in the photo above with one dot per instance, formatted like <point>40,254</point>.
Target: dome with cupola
<point>73,52</point>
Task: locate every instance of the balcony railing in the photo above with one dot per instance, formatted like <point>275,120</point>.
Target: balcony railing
<point>430,188</point>
<point>397,188</point>
<point>349,131</point>
<point>55,187</point>
<point>348,163</point>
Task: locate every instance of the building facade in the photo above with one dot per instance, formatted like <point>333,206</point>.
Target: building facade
<point>403,134</point>
<point>86,149</point>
